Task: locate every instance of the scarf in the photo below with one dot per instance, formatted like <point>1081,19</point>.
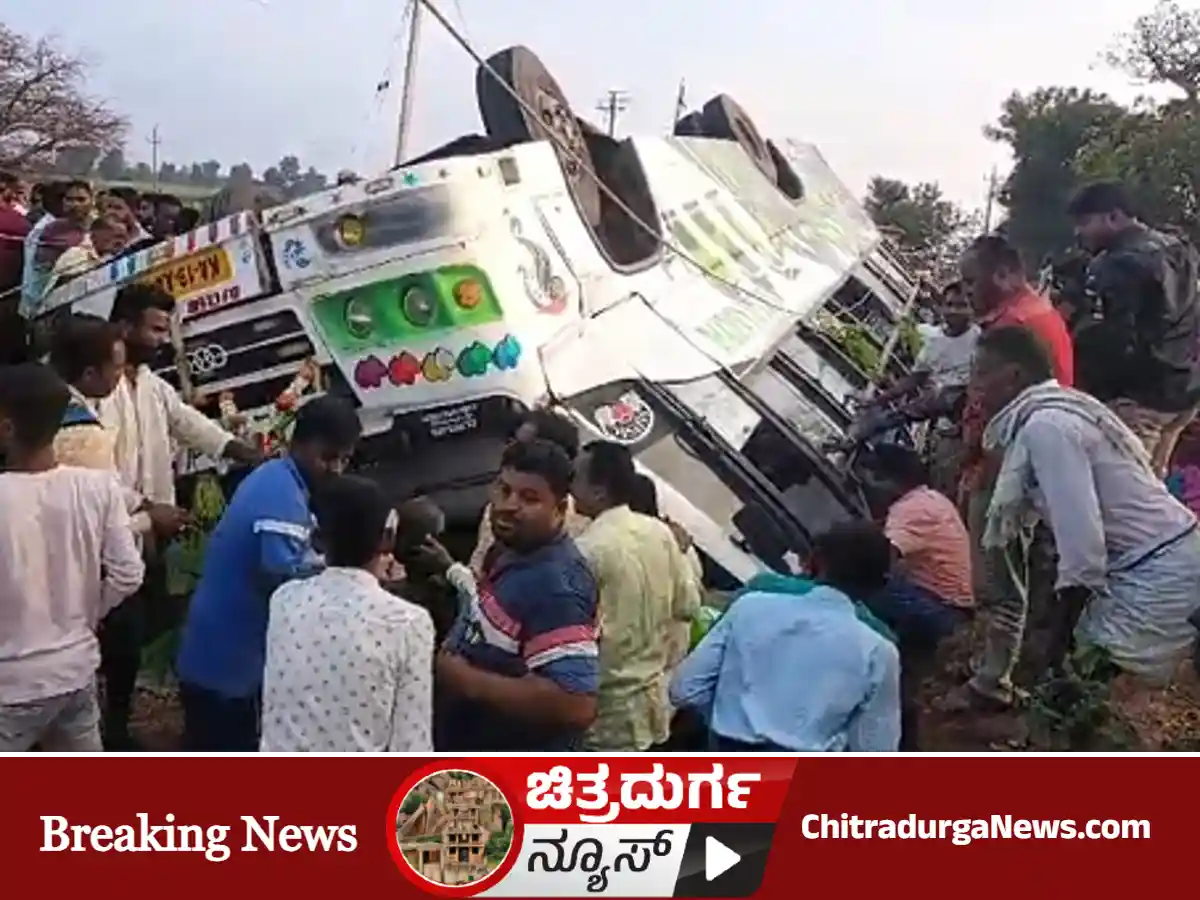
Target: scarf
<point>1011,513</point>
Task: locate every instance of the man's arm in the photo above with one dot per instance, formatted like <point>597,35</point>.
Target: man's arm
<point>189,426</point>
<point>1064,473</point>
<point>284,550</point>
<point>412,708</point>
<point>558,646</point>
<point>1063,470</point>
<point>120,561</point>
<point>875,725</point>
<point>685,587</point>
<point>694,684</point>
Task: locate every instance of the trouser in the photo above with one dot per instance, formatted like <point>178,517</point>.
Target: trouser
<point>213,723</point>
<point>123,634</point>
<point>920,622</point>
<point>722,744</point>
<point>1158,431</point>
<point>1019,625</point>
<point>68,723</point>
<point>944,452</point>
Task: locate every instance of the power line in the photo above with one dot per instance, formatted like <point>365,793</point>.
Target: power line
<point>615,102</point>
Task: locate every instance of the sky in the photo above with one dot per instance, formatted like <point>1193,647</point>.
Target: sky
<point>895,87</point>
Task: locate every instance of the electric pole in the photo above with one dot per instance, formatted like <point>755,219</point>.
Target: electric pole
<point>993,185</point>
<point>615,102</point>
<point>154,140</point>
<point>680,104</point>
<point>404,122</point>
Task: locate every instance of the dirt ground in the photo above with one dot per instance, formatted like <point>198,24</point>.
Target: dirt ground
<point>1157,720</point>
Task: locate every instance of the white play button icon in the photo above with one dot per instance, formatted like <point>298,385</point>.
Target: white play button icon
<point>718,859</point>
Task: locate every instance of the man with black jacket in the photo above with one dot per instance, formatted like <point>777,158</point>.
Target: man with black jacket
<point>1139,350</point>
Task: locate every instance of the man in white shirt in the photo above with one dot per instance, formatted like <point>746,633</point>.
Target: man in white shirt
<point>107,236</point>
<point>67,556</point>
<point>349,665</point>
<point>149,420</point>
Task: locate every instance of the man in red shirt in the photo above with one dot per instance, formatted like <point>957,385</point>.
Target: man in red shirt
<point>13,228</point>
<point>1001,295</point>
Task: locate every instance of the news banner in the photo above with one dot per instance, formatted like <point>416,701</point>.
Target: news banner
<point>596,826</point>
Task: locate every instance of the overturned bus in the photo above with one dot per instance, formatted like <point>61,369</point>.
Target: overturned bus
<point>665,292</point>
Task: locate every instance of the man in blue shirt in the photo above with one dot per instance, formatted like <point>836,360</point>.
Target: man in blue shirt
<point>780,673</point>
<point>263,539</point>
<point>520,669</point>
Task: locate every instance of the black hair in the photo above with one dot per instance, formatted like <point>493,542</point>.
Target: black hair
<point>417,519</point>
<point>543,458</point>
<point>1099,198</point>
<point>555,428</point>
<point>329,420</point>
<point>610,466</point>
<point>643,497</point>
<point>188,219</point>
<point>134,300</point>
<point>954,287</point>
<point>34,398</point>
<point>9,179</point>
<point>52,197</point>
<point>352,515</point>
<point>81,342</point>
<point>102,223</point>
<point>994,253</point>
<point>1020,347</point>
<point>167,200</point>
<point>855,556</point>
<point>77,183</point>
<point>897,463</point>
<point>128,194</point>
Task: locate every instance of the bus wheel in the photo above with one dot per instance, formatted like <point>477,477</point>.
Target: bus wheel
<point>722,117</point>
<point>543,113</point>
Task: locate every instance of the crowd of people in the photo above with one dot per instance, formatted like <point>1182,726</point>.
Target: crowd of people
<point>53,231</point>
<point>327,618</point>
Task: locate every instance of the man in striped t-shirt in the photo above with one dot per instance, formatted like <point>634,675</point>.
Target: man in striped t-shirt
<point>520,668</point>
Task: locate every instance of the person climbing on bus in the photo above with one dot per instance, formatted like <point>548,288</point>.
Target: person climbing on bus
<point>645,587</point>
<point>520,669</point>
<point>107,236</point>
<point>263,540</point>
<point>783,674</point>
<point>548,425</point>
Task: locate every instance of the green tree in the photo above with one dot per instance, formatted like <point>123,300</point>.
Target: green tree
<point>412,803</point>
<point>112,165</point>
<point>1162,47</point>
<point>1154,153</point>
<point>1047,130</point>
<point>927,227</point>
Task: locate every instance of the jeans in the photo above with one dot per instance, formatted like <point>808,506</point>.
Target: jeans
<point>216,724</point>
<point>68,723</point>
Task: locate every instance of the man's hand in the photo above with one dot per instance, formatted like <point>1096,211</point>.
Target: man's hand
<point>682,538</point>
<point>433,555</point>
<point>454,673</point>
<point>167,520</point>
<point>240,451</point>
<point>1070,603</point>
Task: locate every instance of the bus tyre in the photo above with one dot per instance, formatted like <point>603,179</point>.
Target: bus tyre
<point>723,118</point>
<point>543,113</point>
<point>785,176</point>
<point>690,125</point>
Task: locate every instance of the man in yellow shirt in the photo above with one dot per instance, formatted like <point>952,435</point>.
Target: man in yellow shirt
<point>646,587</point>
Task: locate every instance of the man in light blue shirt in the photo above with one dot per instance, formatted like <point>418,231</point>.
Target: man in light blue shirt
<point>34,276</point>
<point>786,673</point>
<point>263,539</point>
